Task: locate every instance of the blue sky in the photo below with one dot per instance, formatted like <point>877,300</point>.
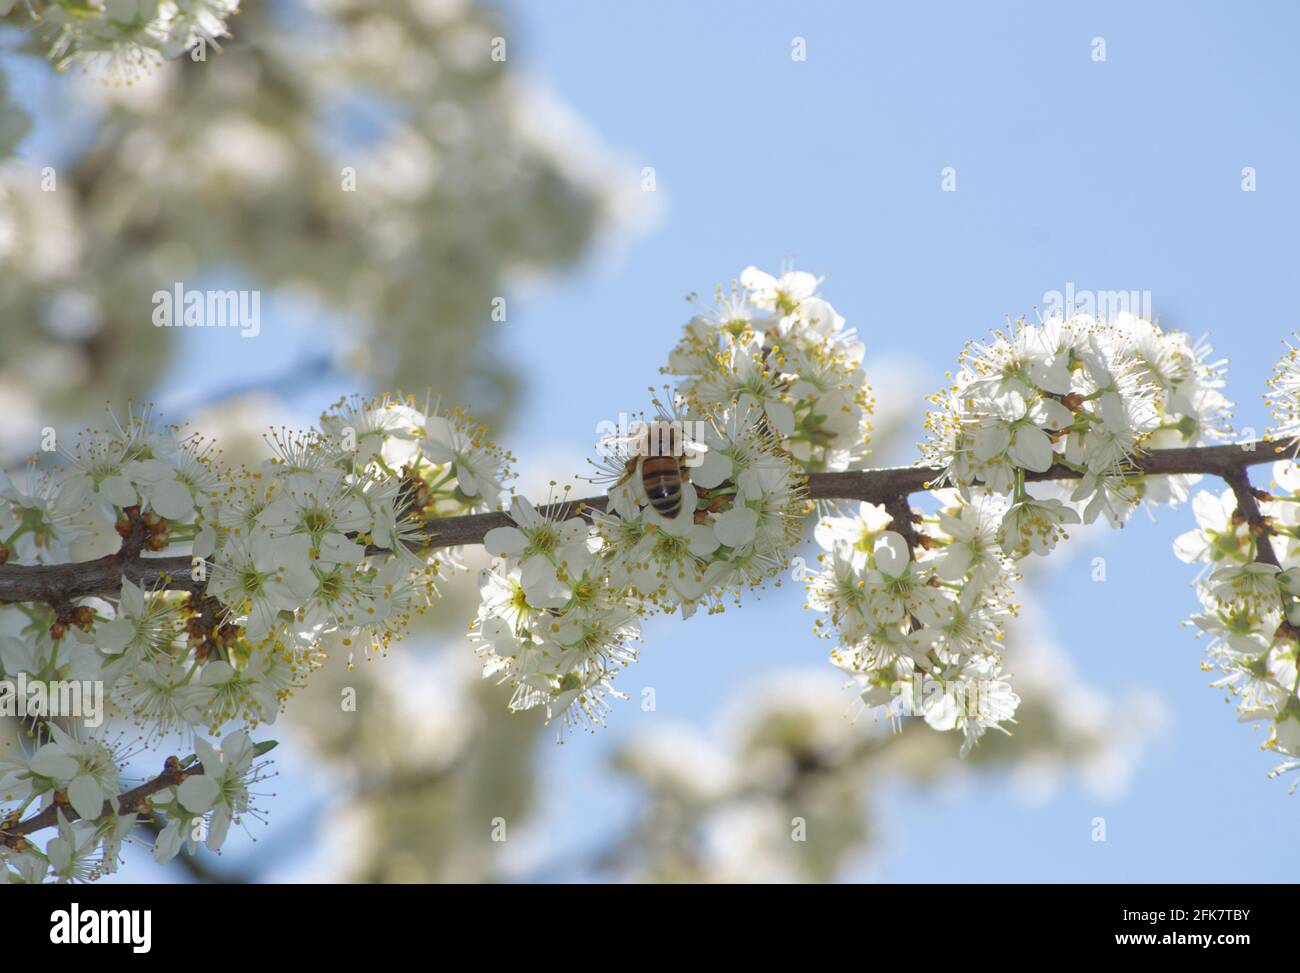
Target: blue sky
<point>1121,175</point>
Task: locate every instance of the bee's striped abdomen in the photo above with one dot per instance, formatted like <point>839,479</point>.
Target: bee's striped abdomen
<point>661,478</point>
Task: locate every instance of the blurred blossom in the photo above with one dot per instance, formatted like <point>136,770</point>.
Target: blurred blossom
<point>793,752</point>
<point>428,757</point>
<point>369,154</point>
<point>678,763</point>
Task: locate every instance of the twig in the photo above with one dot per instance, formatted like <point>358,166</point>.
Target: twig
<point>900,512</point>
<point>1248,507</point>
<point>128,802</point>
<point>55,583</point>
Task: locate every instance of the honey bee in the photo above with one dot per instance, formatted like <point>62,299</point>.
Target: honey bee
<point>657,455</point>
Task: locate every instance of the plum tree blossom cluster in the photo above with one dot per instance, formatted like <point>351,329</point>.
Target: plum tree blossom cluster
<point>773,344</point>
<point>774,384</point>
<point>561,610</point>
<point>201,596</point>
<point>918,603</point>
<point>1248,605</point>
<point>919,629</point>
<point>121,40</point>
<point>318,541</point>
<point>1248,543</point>
<point>1084,394</point>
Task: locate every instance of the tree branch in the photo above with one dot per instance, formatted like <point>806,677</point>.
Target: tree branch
<point>900,512</point>
<point>61,583</point>
<point>1248,508</point>
<point>129,802</point>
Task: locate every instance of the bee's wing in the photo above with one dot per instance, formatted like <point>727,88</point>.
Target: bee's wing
<point>620,447</point>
